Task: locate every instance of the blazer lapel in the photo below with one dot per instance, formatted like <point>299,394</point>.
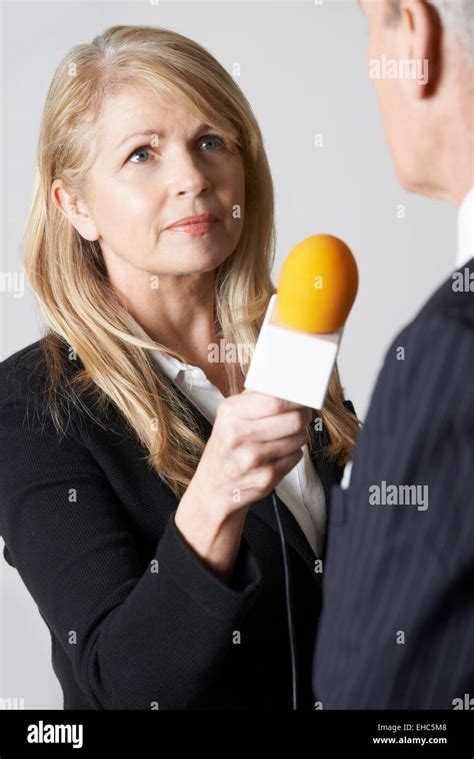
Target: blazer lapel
<point>319,440</point>
<point>294,535</point>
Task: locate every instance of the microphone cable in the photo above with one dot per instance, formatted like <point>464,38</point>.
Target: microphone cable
<point>289,607</point>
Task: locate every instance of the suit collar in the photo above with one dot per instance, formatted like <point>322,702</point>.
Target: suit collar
<point>454,295</point>
<point>466,229</point>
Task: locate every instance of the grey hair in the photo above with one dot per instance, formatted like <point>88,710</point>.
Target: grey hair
<point>455,15</point>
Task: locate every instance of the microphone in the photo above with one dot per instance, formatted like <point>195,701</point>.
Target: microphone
<point>298,345</point>
<point>301,333</point>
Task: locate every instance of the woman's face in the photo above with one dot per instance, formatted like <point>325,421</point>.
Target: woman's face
<point>142,183</point>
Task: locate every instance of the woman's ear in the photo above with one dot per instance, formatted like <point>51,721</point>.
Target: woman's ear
<point>420,46</point>
<point>74,210</point>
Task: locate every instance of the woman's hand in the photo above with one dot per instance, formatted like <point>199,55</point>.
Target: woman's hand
<point>256,440</point>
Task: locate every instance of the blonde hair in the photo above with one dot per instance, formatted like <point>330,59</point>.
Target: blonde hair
<point>68,274</point>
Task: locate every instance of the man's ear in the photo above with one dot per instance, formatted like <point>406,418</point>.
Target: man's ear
<point>420,44</point>
<point>74,210</point>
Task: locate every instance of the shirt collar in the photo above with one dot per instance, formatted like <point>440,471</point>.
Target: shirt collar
<point>465,230</point>
<point>173,368</point>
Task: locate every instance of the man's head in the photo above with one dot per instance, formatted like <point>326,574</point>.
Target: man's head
<point>421,60</point>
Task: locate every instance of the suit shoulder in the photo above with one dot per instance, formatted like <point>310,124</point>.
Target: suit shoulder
<point>454,299</point>
<point>22,371</point>
<point>427,369</point>
<point>445,323</point>
<point>429,343</point>
<point>25,378</point>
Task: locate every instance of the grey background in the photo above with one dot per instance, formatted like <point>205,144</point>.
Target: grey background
<point>303,69</point>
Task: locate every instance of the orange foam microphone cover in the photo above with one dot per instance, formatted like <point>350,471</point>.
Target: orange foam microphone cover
<point>317,285</point>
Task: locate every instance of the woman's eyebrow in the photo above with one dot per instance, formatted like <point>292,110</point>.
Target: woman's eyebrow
<point>148,132</point>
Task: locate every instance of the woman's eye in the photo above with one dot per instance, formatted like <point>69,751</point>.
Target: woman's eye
<point>214,140</point>
<point>142,149</point>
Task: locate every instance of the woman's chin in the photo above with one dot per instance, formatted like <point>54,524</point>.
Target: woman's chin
<point>190,256</point>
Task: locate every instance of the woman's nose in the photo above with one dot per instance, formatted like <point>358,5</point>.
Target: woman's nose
<point>186,176</point>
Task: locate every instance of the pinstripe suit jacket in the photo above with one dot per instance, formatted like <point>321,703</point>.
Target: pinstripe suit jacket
<point>397,626</point>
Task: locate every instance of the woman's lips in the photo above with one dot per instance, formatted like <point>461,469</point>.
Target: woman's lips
<point>196,229</point>
<point>200,224</point>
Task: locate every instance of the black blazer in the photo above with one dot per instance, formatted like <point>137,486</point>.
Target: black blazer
<point>84,517</point>
<point>397,628</point>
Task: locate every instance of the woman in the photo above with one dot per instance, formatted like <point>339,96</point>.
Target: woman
<point>136,506</point>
